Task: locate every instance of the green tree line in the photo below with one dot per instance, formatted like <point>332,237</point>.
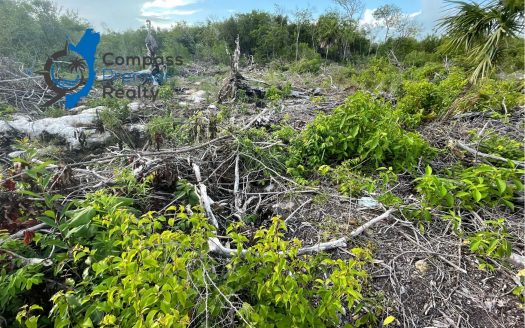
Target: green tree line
<point>33,29</point>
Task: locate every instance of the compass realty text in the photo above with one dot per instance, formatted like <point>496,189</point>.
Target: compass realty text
<point>152,77</point>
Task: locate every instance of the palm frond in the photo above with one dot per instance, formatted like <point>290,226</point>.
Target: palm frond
<point>480,30</point>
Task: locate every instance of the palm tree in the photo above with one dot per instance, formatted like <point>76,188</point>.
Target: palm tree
<point>77,65</point>
<point>482,30</point>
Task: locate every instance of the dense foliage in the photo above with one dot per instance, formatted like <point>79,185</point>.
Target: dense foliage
<point>119,268</point>
<point>364,130</point>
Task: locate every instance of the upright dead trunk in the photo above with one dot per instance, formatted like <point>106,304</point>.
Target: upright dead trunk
<point>297,44</point>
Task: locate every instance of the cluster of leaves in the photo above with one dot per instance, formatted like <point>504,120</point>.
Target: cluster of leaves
<point>163,126</point>
<point>381,75</point>
<point>492,242</point>
<point>307,65</point>
<point>500,145</point>
<point>364,130</point>
<point>115,113</point>
<point>262,150</point>
<point>430,91</point>
<point>352,182</point>
<point>469,189</point>
<point>6,110</point>
<point>114,267</point>
<point>481,185</point>
<point>165,92</point>
<point>274,93</point>
<point>425,98</point>
<point>498,95</point>
<point>285,289</point>
<point>349,181</point>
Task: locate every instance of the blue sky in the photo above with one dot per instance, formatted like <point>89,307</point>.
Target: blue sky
<point>129,14</point>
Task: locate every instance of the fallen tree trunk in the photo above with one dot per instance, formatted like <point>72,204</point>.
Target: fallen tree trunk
<point>217,248</point>
<point>78,131</point>
<point>487,156</point>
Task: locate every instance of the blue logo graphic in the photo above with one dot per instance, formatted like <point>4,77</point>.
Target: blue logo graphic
<point>70,72</point>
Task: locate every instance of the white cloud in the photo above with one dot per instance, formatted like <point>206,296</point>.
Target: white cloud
<point>432,12</point>
<point>368,18</point>
<point>167,3</point>
<point>165,14</point>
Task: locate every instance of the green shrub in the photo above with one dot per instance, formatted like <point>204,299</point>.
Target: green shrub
<point>165,92</point>
<point>423,99</point>
<point>274,93</point>
<point>491,242</point>
<point>120,269</point>
<point>115,114</point>
<point>500,145</point>
<point>380,75</point>
<point>6,110</point>
<point>351,182</point>
<point>481,185</point>
<point>429,71</point>
<point>494,93</point>
<point>364,130</point>
<point>163,126</point>
<point>307,65</point>
<point>284,289</point>
<point>419,58</point>
<point>15,285</point>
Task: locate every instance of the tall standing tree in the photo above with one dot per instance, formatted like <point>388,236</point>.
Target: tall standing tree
<point>352,8</point>
<point>390,16</point>
<point>328,29</point>
<point>407,27</point>
<point>483,30</point>
<point>302,17</point>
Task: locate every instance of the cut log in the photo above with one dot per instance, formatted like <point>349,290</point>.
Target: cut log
<point>487,156</point>
<point>78,131</point>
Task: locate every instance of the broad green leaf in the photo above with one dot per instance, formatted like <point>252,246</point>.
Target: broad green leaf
<point>388,320</point>
<point>476,195</point>
<point>428,170</point>
<point>81,216</point>
<point>47,220</point>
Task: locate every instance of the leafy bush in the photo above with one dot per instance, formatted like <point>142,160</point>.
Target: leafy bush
<point>364,130</point>
<point>379,74</point>
<point>423,99</point>
<point>419,58</point>
<point>429,71</point>
<point>115,113</point>
<point>494,93</point>
<point>500,145</point>
<point>6,110</point>
<point>15,285</point>
<point>307,65</point>
<point>115,268</point>
<point>281,288</point>
<point>351,182</point>
<point>163,126</point>
<point>274,93</point>
<point>165,92</point>
<point>491,242</point>
<point>481,185</point>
